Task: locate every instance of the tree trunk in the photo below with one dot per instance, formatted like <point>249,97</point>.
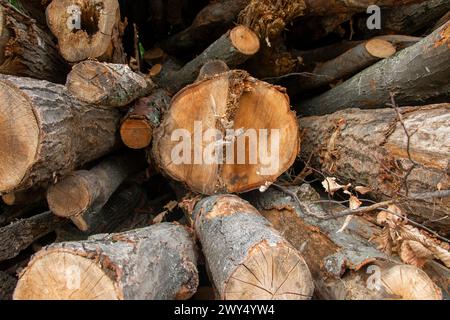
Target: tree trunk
<point>341,263</point>
<point>112,218</point>
<point>26,50</point>
<point>239,108</point>
<point>87,29</point>
<point>158,262</point>
<point>52,132</point>
<point>418,74</point>
<point>21,234</point>
<point>370,148</point>
<point>233,48</point>
<point>81,195</point>
<point>246,257</point>
<point>7,285</point>
<point>137,127</point>
<point>209,24</point>
<point>342,67</point>
<point>114,85</point>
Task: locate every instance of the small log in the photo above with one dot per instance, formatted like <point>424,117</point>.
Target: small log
<point>209,24</point>
<point>87,29</point>
<point>419,75</point>
<point>341,263</point>
<point>211,69</point>
<point>342,67</point>
<point>114,85</point>
<point>26,197</point>
<point>158,262</point>
<point>52,132</point>
<point>81,195</point>
<point>369,148</point>
<point>137,126</point>
<point>231,102</point>
<point>246,257</point>
<point>112,218</point>
<point>21,234</point>
<point>233,48</point>
<point>7,285</point>
<point>443,20</point>
<point>27,50</point>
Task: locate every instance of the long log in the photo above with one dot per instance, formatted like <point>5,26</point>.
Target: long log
<point>112,218</point>
<point>87,29</point>
<point>233,48</point>
<point>246,257</point>
<point>249,116</point>
<point>419,75</point>
<point>370,148</point>
<point>341,262</point>
<point>209,24</point>
<point>21,234</point>
<point>52,132</point>
<point>107,84</point>
<point>25,197</point>
<point>158,262</point>
<point>81,195</point>
<point>137,126</point>
<point>27,50</point>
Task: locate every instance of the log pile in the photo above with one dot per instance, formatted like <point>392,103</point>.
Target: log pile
<point>226,149</point>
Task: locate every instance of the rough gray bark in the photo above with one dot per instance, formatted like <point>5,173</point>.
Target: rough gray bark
<point>53,132</point>
<point>81,195</point>
<point>21,234</point>
<point>112,218</point>
<point>114,85</point>
<point>157,262</point>
<point>369,148</point>
<point>418,75</point>
<point>233,48</point>
<point>7,285</point>
<point>27,50</point>
<point>233,236</point>
<point>339,261</point>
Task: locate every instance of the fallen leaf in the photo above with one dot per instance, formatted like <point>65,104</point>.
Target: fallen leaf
<point>362,190</point>
<point>331,186</point>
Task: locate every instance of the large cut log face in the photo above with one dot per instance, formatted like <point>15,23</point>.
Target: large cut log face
<point>20,134</point>
<point>239,132</point>
<point>91,36</point>
<point>66,276</point>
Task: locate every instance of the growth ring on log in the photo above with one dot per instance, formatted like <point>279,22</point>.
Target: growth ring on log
<point>246,42</point>
<point>229,133</point>
<point>20,131</point>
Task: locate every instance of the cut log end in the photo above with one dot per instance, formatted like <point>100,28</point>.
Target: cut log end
<point>410,283</point>
<point>270,273</point>
<point>136,133</point>
<point>61,275</point>
<point>244,40</point>
<point>69,197</point>
<point>20,130</point>
<point>380,48</point>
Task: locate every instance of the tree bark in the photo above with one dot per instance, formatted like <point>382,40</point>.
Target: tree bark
<point>418,74</point>
<point>26,50</point>
<point>342,67</point>
<point>239,108</point>
<point>233,48</point>
<point>81,195</point>
<point>52,132</point>
<point>112,218</point>
<point>246,257</point>
<point>114,85</point>
<point>98,35</point>
<point>137,126</point>
<point>370,148</point>
<point>341,262</point>
<point>158,262</point>
<point>209,24</point>
<point>21,234</point>
<point>7,285</point>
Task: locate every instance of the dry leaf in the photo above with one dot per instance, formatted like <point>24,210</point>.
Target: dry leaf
<point>331,186</point>
<point>160,217</point>
<point>354,204</point>
<point>362,190</point>
<point>387,218</point>
<point>414,253</point>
